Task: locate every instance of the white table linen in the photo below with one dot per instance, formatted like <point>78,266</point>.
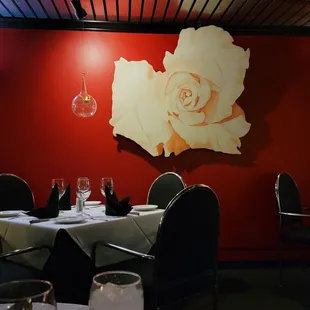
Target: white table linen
<point>137,232</point>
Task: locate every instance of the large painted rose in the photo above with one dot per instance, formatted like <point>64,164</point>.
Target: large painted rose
<point>192,104</point>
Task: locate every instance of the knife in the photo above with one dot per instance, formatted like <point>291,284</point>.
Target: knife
<point>38,221</point>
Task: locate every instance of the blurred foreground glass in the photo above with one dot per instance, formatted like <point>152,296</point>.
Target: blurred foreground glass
<point>106,182</point>
<point>26,295</point>
<point>61,186</point>
<point>84,105</point>
<point>116,290</point>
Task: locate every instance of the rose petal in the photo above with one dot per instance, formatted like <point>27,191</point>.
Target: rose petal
<point>238,126</point>
<point>218,137</point>
<point>138,112</point>
<point>205,93</point>
<point>125,93</point>
<point>180,78</point>
<point>154,124</point>
<point>175,145</point>
<point>191,118</point>
<point>134,132</point>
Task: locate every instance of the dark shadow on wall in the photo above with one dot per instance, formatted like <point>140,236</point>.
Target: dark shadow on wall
<point>265,82</point>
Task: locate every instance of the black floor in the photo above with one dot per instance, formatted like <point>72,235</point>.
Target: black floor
<point>254,289</point>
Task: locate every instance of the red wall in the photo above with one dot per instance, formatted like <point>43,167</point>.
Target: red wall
<point>42,139</point>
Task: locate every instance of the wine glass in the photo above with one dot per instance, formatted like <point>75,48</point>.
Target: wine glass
<point>106,182</point>
<point>119,290</point>
<point>27,294</point>
<point>83,189</point>
<point>61,186</point>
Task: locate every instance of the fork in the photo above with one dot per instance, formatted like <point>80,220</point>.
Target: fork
<point>94,218</point>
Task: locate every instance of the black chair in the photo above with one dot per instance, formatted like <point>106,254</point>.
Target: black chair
<point>11,271</point>
<point>164,188</point>
<point>185,260</point>
<point>291,228</point>
<point>15,193</point>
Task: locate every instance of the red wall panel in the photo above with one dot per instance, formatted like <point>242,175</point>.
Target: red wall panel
<point>40,73</point>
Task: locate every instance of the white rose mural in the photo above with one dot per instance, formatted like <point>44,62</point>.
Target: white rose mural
<point>192,105</point>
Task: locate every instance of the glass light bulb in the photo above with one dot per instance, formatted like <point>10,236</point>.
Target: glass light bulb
<point>84,105</point>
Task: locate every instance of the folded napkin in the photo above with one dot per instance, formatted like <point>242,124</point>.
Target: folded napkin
<point>51,208</point>
<point>114,206</point>
<point>64,202</point>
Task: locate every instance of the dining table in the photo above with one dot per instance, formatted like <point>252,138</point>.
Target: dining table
<point>69,263</point>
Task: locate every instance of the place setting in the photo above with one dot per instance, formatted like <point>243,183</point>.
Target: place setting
<point>122,207</point>
<point>57,204</point>
<point>144,208</point>
<point>83,192</point>
<point>36,215</point>
<point>58,209</point>
<point>11,213</point>
<point>64,213</point>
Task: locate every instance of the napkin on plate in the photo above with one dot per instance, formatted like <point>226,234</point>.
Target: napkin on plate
<point>114,206</point>
<point>64,202</point>
<point>50,210</point>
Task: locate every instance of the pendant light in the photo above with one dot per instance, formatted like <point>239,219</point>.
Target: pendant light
<point>84,105</point>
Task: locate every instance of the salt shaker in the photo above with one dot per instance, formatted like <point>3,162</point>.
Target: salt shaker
<point>79,206</point>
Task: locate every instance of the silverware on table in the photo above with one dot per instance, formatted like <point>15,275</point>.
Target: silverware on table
<point>134,212</point>
<point>98,218</point>
<point>38,221</point>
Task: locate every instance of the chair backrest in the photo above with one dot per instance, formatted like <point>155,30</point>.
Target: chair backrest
<point>288,198</point>
<point>15,193</point>
<point>164,188</point>
<point>187,240</point>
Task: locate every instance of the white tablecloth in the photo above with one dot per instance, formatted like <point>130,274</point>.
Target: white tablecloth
<point>137,232</point>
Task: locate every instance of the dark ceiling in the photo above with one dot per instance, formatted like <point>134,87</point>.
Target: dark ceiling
<point>159,15</point>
